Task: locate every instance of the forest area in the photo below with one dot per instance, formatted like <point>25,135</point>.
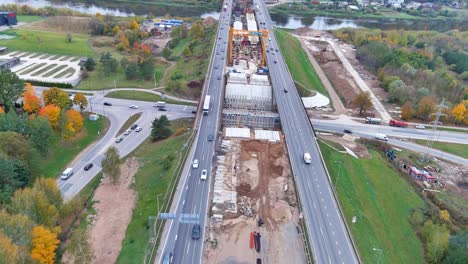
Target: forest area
<point>417,69</point>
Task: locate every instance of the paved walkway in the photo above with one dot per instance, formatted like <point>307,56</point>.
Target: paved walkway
<point>337,104</point>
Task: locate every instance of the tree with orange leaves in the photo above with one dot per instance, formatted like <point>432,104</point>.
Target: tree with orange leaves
<point>1,110</point>
<point>31,102</point>
<point>45,243</point>
<point>458,113</point>
<point>8,250</point>
<point>52,113</point>
<point>124,41</point>
<point>73,124</point>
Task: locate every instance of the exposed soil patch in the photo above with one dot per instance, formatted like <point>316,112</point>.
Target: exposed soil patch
<point>157,43</point>
<point>114,205</point>
<point>67,24</point>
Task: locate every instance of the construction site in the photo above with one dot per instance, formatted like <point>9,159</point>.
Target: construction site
<point>254,207</point>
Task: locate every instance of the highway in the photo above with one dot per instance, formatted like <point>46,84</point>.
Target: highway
<point>330,241</point>
<point>194,192</point>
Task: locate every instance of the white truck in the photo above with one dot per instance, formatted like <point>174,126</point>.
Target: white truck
<point>382,137</point>
<point>160,104</point>
<point>67,173</point>
<point>206,105</point>
<point>307,158</point>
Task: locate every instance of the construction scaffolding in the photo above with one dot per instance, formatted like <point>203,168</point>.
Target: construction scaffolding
<point>251,119</point>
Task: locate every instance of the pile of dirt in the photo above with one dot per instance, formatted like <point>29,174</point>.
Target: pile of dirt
<point>157,43</point>
<point>209,21</point>
<point>114,206</point>
<point>302,31</point>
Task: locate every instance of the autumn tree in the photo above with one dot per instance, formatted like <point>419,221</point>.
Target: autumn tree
<point>52,113</point>
<point>31,102</point>
<point>80,101</point>
<point>8,250</point>
<point>437,239</point>
<point>134,25</point>
<point>426,107</point>
<point>56,97</point>
<point>116,30</point>
<point>111,164</point>
<point>197,31</point>
<point>459,112</point>
<point>363,102</point>
<point>18,228</point>
<point>45,243</point>
<point>407,111</point>
<point>73,123</point>
<point>444,215</point>
<point>11,87</point>
<point>124,41</point>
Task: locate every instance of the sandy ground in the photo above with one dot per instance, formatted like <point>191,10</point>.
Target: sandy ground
<point>114,205</point>
<point>263,175</point>
<point>157,43</point>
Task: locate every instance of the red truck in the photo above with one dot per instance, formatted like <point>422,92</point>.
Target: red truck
<point>396,123</point>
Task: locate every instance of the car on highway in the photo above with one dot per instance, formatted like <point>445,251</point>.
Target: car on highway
<point>118,140</point>
<point>216,67</point>
<point>347,131</point>
<point>134,126</point>
<point>285,90</point>
<point>162,109</point>
<point>138,129</point>
<point>204,175</point>
<point>210,137</point>
<point>275,61</point>
<point>196,232</point>
<point>268,51</point>
<point>195,164</point>
<point>219,77</point>
<point>107,104</point>
<point>88,166</point>
<point>276,50</point>
<point>420,127</point>
<point>269,39</point>
<point>127,132</point>
<point>132,106</point>
<point>167,259</point>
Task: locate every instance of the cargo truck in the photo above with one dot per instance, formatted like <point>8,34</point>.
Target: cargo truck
<point>372,120</point>
<point>396,123</point>
<point>206,105</point>
<point>382,137</point>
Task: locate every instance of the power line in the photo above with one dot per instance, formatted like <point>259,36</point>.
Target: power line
<point>435,124</point>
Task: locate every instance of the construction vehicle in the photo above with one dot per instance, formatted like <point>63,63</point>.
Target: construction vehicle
<point>397,123</point>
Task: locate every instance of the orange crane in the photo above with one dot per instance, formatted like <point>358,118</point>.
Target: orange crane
<point>262,33</point>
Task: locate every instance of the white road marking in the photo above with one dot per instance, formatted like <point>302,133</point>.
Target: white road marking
<point>183,202</point>
<point>175,237</point>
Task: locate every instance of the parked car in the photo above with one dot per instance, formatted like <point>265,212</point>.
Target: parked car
<point>196,232</point>
<point>204,175</point>
<point>88,166</point>
<point>347,131</point>
<point>107,103</point>
<point>210,137</point>
<point>127,132</point>
<point>138,129</point>
<point>132,106</point>
<point>118,140</point>
<point>195,164</point>
<point>133,126</point>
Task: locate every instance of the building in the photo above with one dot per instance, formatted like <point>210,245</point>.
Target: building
<point>6,64</point>
<point>3,49</point>
<point>419,174</point>
<point>252,26</point>
<point>8,19</point>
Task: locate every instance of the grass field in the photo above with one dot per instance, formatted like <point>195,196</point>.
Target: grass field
<point>132,119</point>
<point>298,63</point>
<point>151,180</point>
<point>456,149</point>
<point>381,200</point>
<point>29,19</point>
<point>48,42</point>
<point>141,96</point>
<point>61,154</point>
<point>451,129</point>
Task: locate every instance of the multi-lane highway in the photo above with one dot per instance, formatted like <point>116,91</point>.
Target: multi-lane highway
<point>326,229</point>
<point>194,191</point>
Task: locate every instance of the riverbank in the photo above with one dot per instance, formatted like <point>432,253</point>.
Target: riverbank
<point>383,13</point>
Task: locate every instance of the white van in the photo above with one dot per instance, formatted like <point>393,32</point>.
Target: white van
<point>67,173</point>
<point>381,137</point>
<point>307,158</point>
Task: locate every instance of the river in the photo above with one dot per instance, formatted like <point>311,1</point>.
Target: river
<point>117,8</point>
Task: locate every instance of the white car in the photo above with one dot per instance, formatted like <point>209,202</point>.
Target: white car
<point>204,175</point>
<point>138,129</point>
<point>127,132</point>
<point>132,106</point>
<point>195,164</point>
<point>420,127</point>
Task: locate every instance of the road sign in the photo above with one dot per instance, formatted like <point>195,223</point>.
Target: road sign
<point>189,218</point>
<point>167,216</point>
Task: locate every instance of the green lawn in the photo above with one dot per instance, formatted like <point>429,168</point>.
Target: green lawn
<point>381,200</point>
<point>456,149</point>
<point>150,181</point>
<point>61,154</point>
<point>298,63</point>
<point>29,18</point>
<point>132,119</point>
<point>141,96</point>
<point>48,42</point>
<point>451,129</point>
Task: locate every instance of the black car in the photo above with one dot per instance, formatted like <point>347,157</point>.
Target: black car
<point>347,131</point>
<point>210,137</point>
<point>194,111</point>
<point>276,50</point>
<point>275,61</point>
<point>285,90</point>
<point>162,109</point>
<point>196,232</point>
<point>107,103</point>
<point>88,166</point>
<point>134,126</point>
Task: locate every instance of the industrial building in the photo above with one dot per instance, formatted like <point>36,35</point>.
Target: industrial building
<point>8,18</point>
<point>8,63</point>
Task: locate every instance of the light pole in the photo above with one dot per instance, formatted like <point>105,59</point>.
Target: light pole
<point>380,254</point>
<point>339,170</point>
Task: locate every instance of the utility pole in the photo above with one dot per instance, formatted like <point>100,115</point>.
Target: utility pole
<point>435,124</point>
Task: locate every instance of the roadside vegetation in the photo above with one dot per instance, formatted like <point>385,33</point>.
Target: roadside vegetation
<point>391,214</point>
<point>417,69</point>
<point>130,121</point>
<point>298,63</point>
<point>191,51</point>
<point>28,18</point>
<point>141,96</point>
<point>456,149</point>
<point>337,10</point>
